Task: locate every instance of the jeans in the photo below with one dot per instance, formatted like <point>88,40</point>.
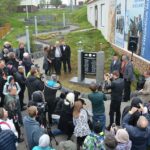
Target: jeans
<point>99,118</point>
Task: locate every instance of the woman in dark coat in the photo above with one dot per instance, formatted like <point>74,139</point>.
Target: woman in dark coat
<point>66,118</point>
<point>46,63</point>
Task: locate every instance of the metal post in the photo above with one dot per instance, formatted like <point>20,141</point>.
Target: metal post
<point>64,20</point>
<point>36,29</point>
<point>28,39</point>
<point>27,12</point>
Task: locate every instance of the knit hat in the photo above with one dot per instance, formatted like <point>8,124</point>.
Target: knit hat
<point>70,98</point>
<point>44,140</point>
<point>122,136</point>
<point>135,102</point>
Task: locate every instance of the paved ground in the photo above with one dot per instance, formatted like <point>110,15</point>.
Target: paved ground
<point>22,146</point>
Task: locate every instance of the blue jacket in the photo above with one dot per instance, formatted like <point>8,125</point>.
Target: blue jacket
<point>7,140</point>
<point>138,136</point>
<point>33,131</point>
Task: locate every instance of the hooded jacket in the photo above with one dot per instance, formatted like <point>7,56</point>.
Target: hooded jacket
<point>33,131</point>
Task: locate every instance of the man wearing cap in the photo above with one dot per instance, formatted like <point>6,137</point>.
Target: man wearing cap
<point>58,57</point>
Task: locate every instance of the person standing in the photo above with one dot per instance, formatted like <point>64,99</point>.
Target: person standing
<point>116,86</point>
<point>66,54</point>
<point>58,57</point>
<point>97,99</point>
<point>80,120</point>
<point>128,77</point>
<point>46,63</point>
<point>21,79</point>
<point>20,51</point>
<point>115,64</point>
<point>32,128</point>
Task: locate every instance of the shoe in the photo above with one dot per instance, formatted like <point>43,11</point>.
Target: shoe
<point>20,140</point>
<point>24,104</point>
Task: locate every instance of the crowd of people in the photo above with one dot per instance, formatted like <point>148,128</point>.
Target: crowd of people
<point>129,130</point>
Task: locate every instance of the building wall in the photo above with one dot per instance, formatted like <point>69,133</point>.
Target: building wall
<point>30,2</point>
<point>102,15</point>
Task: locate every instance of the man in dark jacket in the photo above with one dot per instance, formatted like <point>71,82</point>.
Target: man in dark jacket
<point>20,78</point>
<point>66,54</point>
<point>116,86</point>
<point>34,84</point>
<point>115,64</point>
<point>128,77</point>
<point>138,134</point>
<point>32,127</point>
<point>58,58</point>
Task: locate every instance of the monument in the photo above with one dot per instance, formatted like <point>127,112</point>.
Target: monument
<point>90,64</point>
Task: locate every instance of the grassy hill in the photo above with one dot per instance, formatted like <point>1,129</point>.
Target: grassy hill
<point>91,39</point>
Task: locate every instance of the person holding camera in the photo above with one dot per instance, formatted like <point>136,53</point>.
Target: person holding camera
<point>33,83</point>
<point>140,133</point>
<point>97,99</point>
<point>33,129</point>
<point>116,86</point>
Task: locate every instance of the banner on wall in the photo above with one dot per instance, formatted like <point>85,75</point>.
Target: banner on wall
<point>134,23</point>
<point>119,23</point>
<point>145,53</point>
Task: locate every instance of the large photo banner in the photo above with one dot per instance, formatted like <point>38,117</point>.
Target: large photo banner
<point>119,25</point>
<point>134,25</point>
<point>145,53</point>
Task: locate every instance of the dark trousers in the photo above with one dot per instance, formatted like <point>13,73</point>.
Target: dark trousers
<point>21,96</point>
<point>80,141</point>
<point>2,100</point>
<point>115,108</point>
<point>57,66</point>
<point>127,90</point>
<point>66,62</point>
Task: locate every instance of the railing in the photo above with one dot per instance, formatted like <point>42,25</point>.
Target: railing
<point>4,30</point>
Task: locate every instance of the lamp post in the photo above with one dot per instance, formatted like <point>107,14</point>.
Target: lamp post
<point>36,29</point>
<point>28,39</point>
<point>27,12</point>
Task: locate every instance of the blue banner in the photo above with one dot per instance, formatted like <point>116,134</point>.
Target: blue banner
<point>146,33</point>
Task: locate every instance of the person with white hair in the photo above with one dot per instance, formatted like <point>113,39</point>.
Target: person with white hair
<point>27,62</point>
<point>66,117</point>
<point>44,142</point>
<point>140,133</point>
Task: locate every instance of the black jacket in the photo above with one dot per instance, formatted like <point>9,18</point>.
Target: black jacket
<point>34,84</point>
<point>66,53</point>
<point>116,87</point>
<point>20,78</point>
<point>115,66</point>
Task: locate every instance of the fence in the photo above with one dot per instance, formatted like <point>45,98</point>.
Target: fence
<point>4,30</point>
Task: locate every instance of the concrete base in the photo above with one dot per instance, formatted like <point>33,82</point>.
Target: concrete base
<point>86,81</point>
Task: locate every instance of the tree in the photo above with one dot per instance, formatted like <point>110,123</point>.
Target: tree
<point>8,6</point>
<point>56,3</point>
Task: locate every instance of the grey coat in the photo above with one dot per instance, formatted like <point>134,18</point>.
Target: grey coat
<point>129,72</point>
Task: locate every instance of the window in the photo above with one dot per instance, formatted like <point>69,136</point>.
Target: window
<point>102,15</point>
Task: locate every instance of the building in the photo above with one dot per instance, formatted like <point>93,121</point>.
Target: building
<point>31,5</point>
<point>125,24</point>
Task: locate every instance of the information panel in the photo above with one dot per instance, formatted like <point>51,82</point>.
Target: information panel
<point>89,63</point>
